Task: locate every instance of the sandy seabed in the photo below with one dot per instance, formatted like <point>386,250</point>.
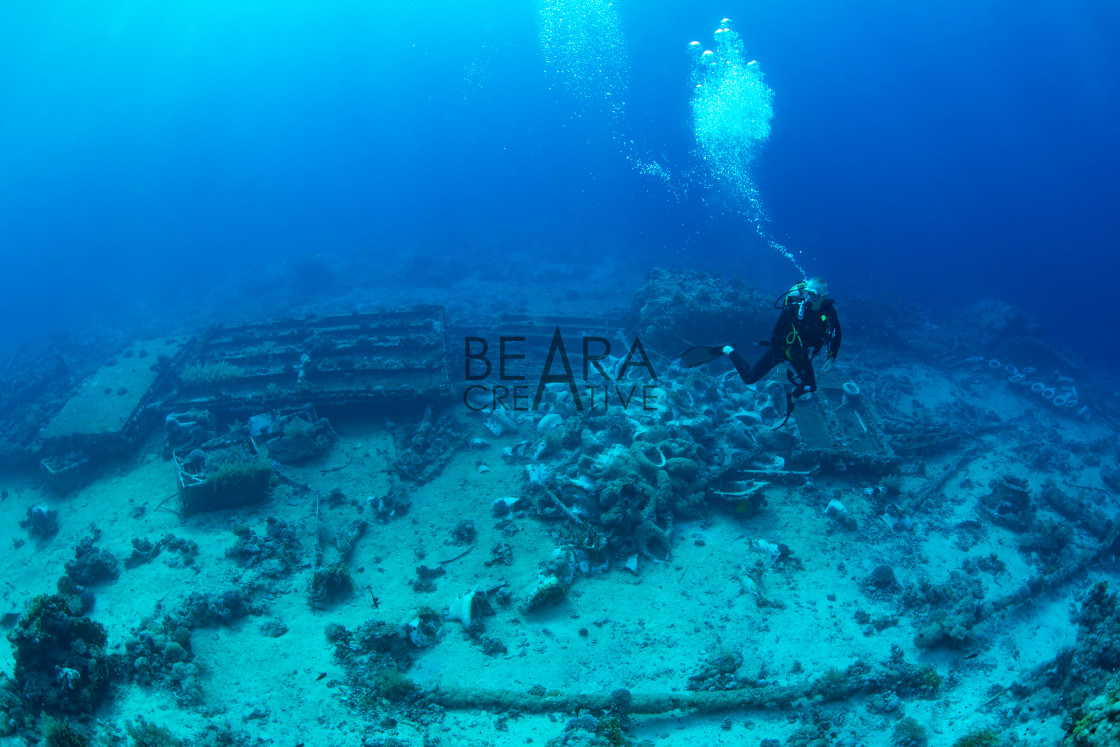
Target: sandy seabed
<point>647,631</point>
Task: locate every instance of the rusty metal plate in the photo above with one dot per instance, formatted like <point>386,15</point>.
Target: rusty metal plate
<point>840,430</point>
<point>109,406</point>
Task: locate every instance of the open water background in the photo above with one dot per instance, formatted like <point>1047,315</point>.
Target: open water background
<point>937,153</point>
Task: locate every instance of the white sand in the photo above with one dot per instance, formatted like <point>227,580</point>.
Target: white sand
<point>645,632</point>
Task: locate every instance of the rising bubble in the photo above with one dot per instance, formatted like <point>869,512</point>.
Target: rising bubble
<point>731,112</point>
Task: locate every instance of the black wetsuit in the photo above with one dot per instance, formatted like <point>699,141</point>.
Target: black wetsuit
<point>796,341</point>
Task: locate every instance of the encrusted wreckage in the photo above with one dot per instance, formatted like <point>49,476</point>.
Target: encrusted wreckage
<point>269,377</point>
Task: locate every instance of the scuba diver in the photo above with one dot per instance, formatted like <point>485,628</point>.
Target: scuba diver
<point>807,325</point>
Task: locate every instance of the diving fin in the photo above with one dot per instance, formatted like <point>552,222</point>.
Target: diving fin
<point>790,403</point>
<point>698,355</point>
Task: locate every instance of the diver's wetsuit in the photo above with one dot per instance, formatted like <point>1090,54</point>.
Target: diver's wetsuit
<point>796,341</point>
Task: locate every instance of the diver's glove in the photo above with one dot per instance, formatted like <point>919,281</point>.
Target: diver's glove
<point>827,365</point>
<point>727,349</point>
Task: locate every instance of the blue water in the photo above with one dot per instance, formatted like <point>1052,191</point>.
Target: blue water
<point>936,152</point>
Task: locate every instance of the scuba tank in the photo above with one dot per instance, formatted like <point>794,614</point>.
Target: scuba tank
<point>795,295</point>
